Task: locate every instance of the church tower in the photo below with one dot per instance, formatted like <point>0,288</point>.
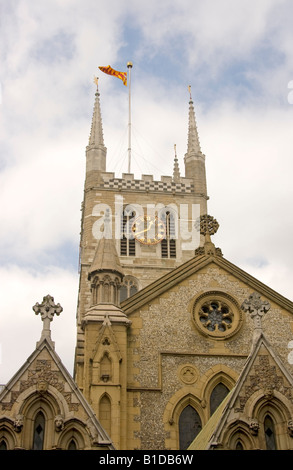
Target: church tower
<point>152,222</point>
<point>133,231</point>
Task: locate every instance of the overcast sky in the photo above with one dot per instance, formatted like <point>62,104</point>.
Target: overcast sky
<point>237,55</point>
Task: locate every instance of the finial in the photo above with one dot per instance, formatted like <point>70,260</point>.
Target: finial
<point>189,89</point>
<point>257,308</point>
<point>96,81</point>
<point>207,226</point>
<point>47,309</point>
<point>176,171</point>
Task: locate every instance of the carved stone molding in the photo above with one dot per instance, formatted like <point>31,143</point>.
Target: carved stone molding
<point>188,374</point>
<point>254,427</point>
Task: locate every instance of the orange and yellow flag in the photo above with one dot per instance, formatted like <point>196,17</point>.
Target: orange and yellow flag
<point>115,73</point>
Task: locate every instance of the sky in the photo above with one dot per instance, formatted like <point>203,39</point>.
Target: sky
<point>237,56</point>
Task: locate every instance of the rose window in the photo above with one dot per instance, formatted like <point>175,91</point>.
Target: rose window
<point>217,314</point>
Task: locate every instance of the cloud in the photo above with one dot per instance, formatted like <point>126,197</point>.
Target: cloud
<point>19,329</point>
<point>239,66</point>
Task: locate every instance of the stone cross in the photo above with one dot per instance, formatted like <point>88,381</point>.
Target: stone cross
<point>207,226</point>
<point>257,308</point>
<point>47,309</point>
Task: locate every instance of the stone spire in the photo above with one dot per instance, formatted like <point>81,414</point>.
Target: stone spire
<point>194,158</point>
<point>106,257</point>
<point>176,170</point>
<point>193,145</point>
<point>47,309</point>
<point>96,151</point>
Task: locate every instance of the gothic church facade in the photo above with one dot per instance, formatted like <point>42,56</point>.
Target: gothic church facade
<point>162,335</point>
<point>177,348</point>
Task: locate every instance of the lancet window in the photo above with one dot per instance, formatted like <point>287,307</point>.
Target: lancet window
<point>168,244</point>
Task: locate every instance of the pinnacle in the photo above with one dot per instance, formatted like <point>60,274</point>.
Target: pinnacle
<point>176,170</point>
<point>193,145</point>
<point>96,135</point>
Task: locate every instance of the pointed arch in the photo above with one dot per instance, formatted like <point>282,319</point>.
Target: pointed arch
<point>182,408</point>
<point>127,241</point>
<point>217,383</point>
<point>74,436</point>
<point>168,244</point>
<point>105,412</point>
<point>269,432</point>
<point>128,287</point>
<point>39,431</point>
<point>8,437</point>
<point>238,436</point>
<point>219,392</point>
<point>189,426</point>
<point>3,444</point>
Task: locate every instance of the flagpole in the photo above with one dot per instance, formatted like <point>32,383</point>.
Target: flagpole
<point>129,66</point>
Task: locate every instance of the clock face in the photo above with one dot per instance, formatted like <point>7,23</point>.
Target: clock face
<point>148,230</point>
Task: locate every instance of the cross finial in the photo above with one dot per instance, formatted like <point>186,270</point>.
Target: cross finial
<point>257,308</point>
<point>208,225</point>
<point>47,309</point>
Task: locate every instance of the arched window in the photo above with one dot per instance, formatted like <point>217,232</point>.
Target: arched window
<point>127,242</point>
<point>168,244</point>
<point>189,426</point>
<point>217,396</point>
<point>128,288</point>
<point>269,430</point>
<point>39,432</point>
<point>72,445</point>
<point>3,445</point>
<point>239,445</point>
<point>105,413</point>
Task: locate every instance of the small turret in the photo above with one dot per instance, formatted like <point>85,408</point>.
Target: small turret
<point>106,272</point>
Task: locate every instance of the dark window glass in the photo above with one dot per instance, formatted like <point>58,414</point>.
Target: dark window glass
<point>3,445</point>
<point>239,446</point>
<point>189,426</point>
<point>127,242</point>
<point>168,244</point>
<point>269,433</point>
<point>72,445</point>
<point>39,431</point>
<point>217,396</point>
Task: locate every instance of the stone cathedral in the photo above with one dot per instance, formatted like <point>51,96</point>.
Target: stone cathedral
<point>177,348</point>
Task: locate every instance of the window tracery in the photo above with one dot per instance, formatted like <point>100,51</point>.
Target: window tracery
<point>217,314</point>
<point>129,287</point>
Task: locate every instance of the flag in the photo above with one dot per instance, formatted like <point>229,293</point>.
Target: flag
<point>115,73</point>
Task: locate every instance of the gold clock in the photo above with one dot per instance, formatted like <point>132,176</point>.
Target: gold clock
<point>148,230</point>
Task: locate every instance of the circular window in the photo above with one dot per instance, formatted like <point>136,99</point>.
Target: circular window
<point>216,314</point>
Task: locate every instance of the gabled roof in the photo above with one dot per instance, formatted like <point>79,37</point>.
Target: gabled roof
<point>48,346</point>
<point>185,270</point>
<point>211,432</point>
